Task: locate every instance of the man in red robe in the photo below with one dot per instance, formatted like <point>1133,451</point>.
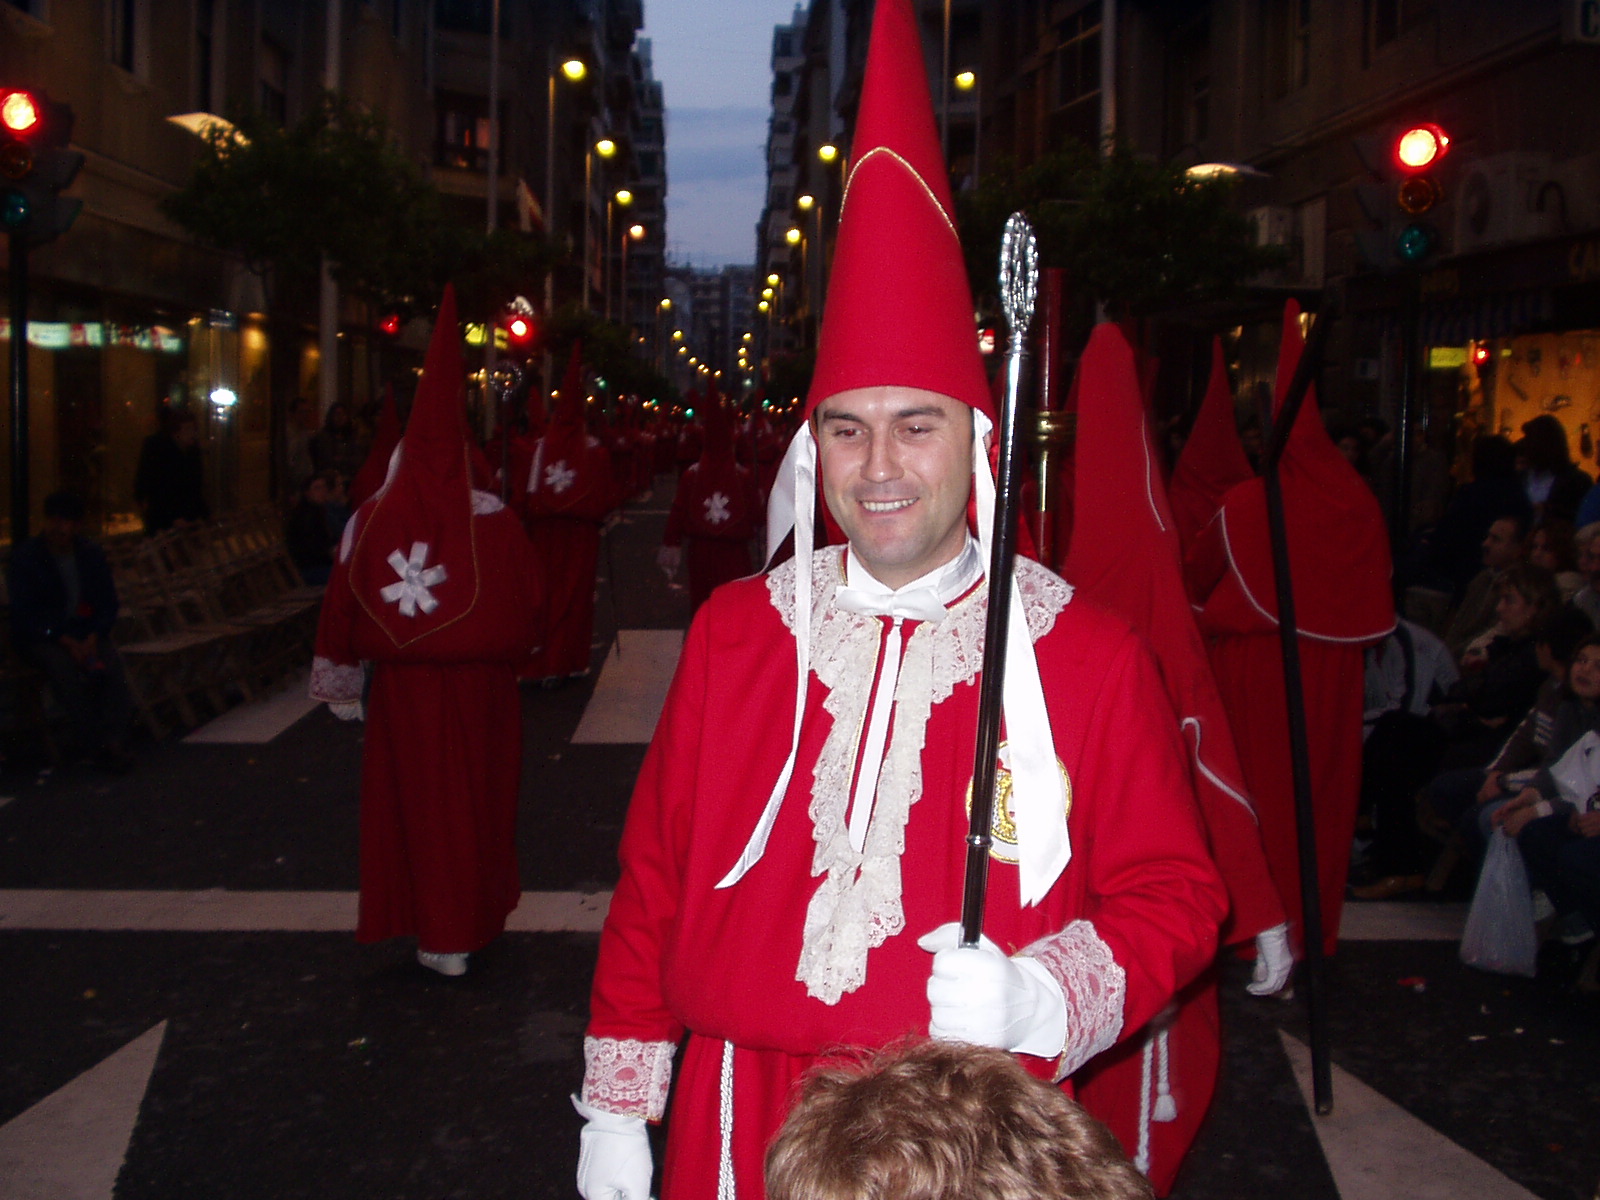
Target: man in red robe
<point>1153,1090</point>
<point>1212,461</point>
<point>714,514</point>
<point>570,490</point>
<point>781,895</point>
<point>1340,567</point>
<point>437,587</point>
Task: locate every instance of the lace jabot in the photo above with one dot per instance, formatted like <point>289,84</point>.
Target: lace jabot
<point>857,906</point>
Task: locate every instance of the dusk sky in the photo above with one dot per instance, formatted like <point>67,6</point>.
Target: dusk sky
<point>713,60</point>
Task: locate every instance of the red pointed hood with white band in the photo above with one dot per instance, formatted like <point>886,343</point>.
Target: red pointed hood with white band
<point>900,314</point>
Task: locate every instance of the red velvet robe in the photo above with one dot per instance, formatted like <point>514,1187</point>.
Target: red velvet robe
<point>442,755</point>
<point>570,489</point>
<point>679,954</point>
<point>715,514</point>
<point>1339,564</point>
<point>1124,555</point>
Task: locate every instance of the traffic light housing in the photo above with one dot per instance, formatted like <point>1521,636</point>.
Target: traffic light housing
<point>36,165</point>
<point>1406,188</point>
<point>519,328</point>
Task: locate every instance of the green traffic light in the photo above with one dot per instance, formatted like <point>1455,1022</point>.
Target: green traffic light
<point>1415,242</point>
<point>14,211</point>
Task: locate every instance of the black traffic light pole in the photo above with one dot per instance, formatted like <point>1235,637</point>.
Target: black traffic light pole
<point>19,388</point>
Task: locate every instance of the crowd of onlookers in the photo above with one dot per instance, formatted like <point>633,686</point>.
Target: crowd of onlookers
<point>1483,706</point>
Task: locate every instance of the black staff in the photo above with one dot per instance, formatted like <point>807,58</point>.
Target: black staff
<point>1294,692</point>
<point>1019,281</point>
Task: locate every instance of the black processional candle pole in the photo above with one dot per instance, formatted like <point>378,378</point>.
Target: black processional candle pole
<point>1294,691</point>
<point>1019,283</point>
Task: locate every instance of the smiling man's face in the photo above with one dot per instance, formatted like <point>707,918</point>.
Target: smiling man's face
<point>896,474</point>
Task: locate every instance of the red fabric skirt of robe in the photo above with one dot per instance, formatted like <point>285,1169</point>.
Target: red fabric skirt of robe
<point>439,777</point>
<point>1249,671</point>
<point>568,549</point>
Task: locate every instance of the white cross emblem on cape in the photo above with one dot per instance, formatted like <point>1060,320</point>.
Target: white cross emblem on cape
<point>558,477</point>
<point>717,508</point>
<point>412,593</point>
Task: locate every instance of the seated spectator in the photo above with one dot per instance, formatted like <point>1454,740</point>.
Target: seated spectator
<point>943,1121</point>
<point>1552,547</point>
<point>63,606</point>
<point>1475,614</point>
<point>1558,832</point>
<point>1456,542</point>
<point>1409,672</point>
<point>1587,599</point>
<point>1463,731</point>
<point>307,534</point>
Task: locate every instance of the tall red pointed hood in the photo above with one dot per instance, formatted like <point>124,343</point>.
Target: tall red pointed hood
<point>899,309</point>
<point>1213,458</point>
<point>569,408</point>
<point>1124,556</point>
<point>1338,544</point>
<point>414,565</point>
<point>375,468</point>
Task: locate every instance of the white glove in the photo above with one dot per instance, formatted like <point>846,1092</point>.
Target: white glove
<point>668,558</point>
<point>613,1156</point>
<point>976,994</point>
<point>347,710</point>
<point>1274,962</point>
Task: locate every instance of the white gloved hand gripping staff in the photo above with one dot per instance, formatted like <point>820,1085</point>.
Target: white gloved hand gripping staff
<point>976,994</point>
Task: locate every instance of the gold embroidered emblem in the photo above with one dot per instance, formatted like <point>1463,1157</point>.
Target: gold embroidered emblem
<point>1003,827</point>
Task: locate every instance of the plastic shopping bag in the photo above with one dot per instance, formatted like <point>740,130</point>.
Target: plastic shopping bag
<point>1499,935</point>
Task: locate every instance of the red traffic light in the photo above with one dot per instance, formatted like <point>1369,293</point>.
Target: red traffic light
<point>1480,355</point>
<point>520,329</point>
<point>1420,147</point>
<point>390,324</point>
<point>20,113</point>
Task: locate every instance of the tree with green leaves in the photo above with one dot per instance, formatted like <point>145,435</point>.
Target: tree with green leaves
<point>1133,235</point>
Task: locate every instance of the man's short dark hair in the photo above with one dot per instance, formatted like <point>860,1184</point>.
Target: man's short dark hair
<point>68,506</point>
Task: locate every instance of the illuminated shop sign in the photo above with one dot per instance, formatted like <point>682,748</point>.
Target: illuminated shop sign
<point>97,335</point>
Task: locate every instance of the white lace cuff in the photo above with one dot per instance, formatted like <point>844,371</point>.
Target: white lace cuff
<point>627,1077</point>
<point>1093,985</point>
<point>335,683</point>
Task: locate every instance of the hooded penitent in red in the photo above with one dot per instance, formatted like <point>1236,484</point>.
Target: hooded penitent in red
<point>715,512</point>
<point>375,469</point>
<point>1213,459</point>
<point>1339,563</point>
<point>570,489</point>
<point>436,587</point>
<point>798,823</point>
<point>1153,1090</point>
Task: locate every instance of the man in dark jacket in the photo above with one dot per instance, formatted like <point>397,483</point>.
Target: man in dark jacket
<point>169,483</point>
<point>63,605</point>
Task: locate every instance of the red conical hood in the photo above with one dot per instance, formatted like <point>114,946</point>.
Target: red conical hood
<point>424,516</point>
<point>899,310</point>
<point>1213,458</point>
<point>569,405</point>
<point>375,468</point>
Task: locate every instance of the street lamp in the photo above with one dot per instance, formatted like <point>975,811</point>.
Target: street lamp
<point>605,148</point>
<point>967,81</point>
<point>573,70</point>
<point>631,233</point>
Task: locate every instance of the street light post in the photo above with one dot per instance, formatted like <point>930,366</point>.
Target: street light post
<point>605,148</point>
<point>574,69</point>
<point>631,233</point>
<point>621,198</point>
<point>968,81</point>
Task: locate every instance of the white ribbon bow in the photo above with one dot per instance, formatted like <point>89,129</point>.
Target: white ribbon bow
<point>412,591</point>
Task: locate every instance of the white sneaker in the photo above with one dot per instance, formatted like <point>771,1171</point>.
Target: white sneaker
<point>445,964</point>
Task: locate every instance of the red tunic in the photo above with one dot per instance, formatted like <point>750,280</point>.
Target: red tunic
<point>1132,919</point>
<point>1339,565</point>
<point>570,489</point>
<point>1124,555</point>
<point>715,513</point>
<point>443,749</point>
